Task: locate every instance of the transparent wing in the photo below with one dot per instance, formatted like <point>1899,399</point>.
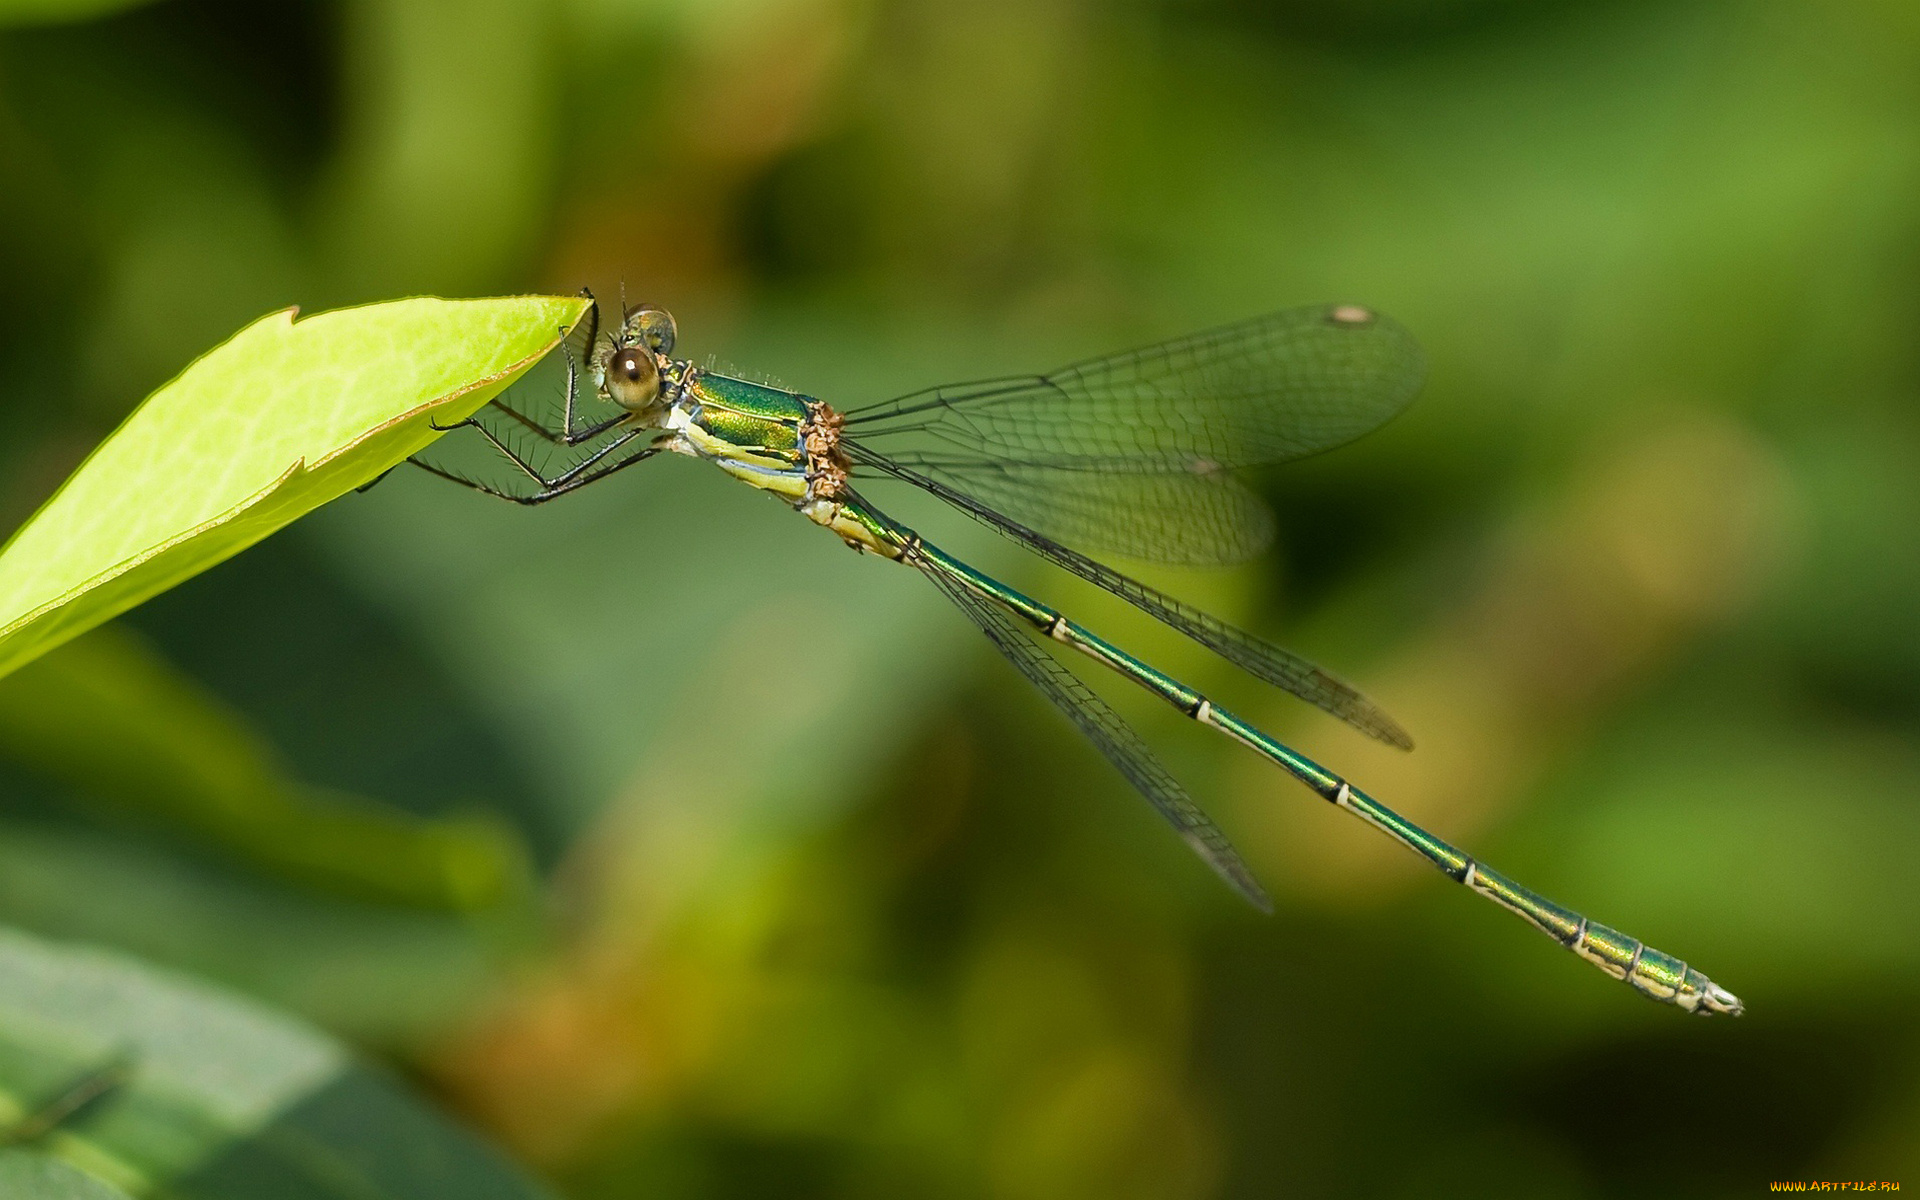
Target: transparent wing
<point>1258,657</point>
<point>1159,518</point>
<point>1267,390</point>
<point>1107,731</point>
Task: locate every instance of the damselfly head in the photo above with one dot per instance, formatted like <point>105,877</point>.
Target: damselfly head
<point>650,326</point>
<point>631,377</point>
<point>627,366</point>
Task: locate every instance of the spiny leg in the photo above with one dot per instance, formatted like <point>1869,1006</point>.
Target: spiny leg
<point>596,464</point>
<point>593,318</point>
<point>569,437</point>
<point>517,459</point>
<point>570,433</point>
<point>569,481</point>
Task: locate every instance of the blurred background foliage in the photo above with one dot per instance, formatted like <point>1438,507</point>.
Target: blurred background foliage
<point>519,802</point>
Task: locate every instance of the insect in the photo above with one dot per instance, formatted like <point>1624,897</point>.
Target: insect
<point>1131,453</point>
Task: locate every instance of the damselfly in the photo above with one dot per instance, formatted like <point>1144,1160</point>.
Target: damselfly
<point>1132,454</point>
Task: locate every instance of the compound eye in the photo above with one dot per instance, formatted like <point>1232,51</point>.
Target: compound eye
<point>653,327</point>
<point>633,378</point>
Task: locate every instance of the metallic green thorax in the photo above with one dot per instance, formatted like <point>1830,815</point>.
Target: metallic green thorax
<point>772,439</point>
<point>759,420</point>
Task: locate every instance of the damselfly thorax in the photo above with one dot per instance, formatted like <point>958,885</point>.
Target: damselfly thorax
<point>779,441</point>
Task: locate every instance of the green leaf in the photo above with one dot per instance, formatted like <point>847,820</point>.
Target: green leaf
<point>375,973</point>
<point>108,716</point>
<point>281,419</point>
<point>193,1093</point>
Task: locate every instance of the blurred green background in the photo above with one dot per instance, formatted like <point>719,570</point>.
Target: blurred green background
<point>465,784</point>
